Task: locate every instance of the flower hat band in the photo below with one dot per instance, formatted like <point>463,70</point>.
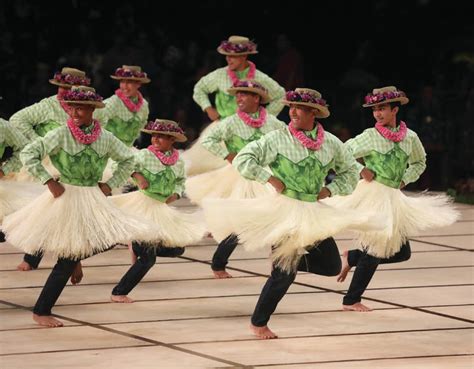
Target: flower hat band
<point>310,98</point>
<point>385,95</point>
<point>165,127</point>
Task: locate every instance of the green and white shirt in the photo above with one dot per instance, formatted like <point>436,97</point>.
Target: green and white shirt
<point>124,124</point>
<point>236,134</point>
<point>11,137</point>
<point>219,82</point>
<point>163,180</point>
<point>78,164</point>
<point>303,171</point>
<point>38,119</point>
<point>392,162</point>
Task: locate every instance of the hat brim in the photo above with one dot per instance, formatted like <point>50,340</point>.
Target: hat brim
<point>321,111</point>
<point>179,136</point>
<point>141,80</point>
<point>402,100</point>
<point>59,84</point>
<point>265,98</point>
<point>223,52</point>
<point>97,104</point>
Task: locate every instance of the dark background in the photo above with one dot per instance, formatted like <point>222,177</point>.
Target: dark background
<point>341,48</point>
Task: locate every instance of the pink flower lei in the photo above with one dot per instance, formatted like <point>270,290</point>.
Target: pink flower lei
<point>305,140</point>
<point>390,135</point>
<point>251,122</point>
<point>84,138</point>
<point>128,102</point>
<point>166,160</point>
<point>250,75</point>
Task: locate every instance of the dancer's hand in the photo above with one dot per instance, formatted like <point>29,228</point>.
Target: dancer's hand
<point>2,174</point>
<point>324,193</point>
<point>212,113</point>
<point>367,174</point>
<point>172,198</point>
<point>230,157</point>
<point>277,184</point>
<point>141,181</point>
<point>56,188</point>
<point>402,185</point>
<point>105,188</point>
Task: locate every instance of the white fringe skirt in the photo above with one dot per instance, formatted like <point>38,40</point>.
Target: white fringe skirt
<point>224,183</point>
<point>287,225</point>
<point>176,228</point>
<point>78,224</point>
<point>15,195</point>
<point>405,215</point>
<point>199,160</point>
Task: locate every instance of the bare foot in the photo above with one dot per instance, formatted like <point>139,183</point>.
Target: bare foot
<point>47,321</point>
<point>132,254</point>
<point>221,274</point>
<point>121,298</point>
<point>345,267</point>
<point>356,307</point>
<point>208,235</point>
<point>24,266</point>
<point>77,275</point>
<point>264,333</point>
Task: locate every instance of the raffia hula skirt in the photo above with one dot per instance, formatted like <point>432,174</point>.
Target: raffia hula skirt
<point>287,225</point>
<point>224,183</point>
<point>78,224</point>
<point>15,195</point>
<point>176,228</point>
<point>405,215</point>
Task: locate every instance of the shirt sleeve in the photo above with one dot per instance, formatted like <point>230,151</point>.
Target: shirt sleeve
<point>33,153</point>
<point>15,140</point>
<point>359,147</point>
<point>125,160</point>
<point>347,174</point>
<point>205,86</point>
<point>416,162</point>
<point>216,135</point>
<point>180,179</point>
<point>254,157</point>
<point>26,119</point>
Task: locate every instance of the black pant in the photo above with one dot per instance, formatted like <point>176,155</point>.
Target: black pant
<point>33,259</point>
<point>2,236</point>
<point>225,248</point>
<point>55,284</point>
<point>328,263</point>
<point>146,258</point>
<point>366,265</point>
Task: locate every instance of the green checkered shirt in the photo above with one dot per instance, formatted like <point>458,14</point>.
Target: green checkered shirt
<point>146,160</point>
<point>11,137</point>
<point>253,158</point>
<point>47,111</point>
<point>61,139</point>
<point>116,112</point>
<point>371,141</point>
<point>229,127</point>
<point>218,81</point>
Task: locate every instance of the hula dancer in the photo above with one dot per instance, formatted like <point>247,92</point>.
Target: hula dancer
<point>159,173</point>
<point>74,219</point>
<point>393,157</point>
<point>236,50</point>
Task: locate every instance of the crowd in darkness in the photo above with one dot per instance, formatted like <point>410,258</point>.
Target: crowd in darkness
<point>340,48</point>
